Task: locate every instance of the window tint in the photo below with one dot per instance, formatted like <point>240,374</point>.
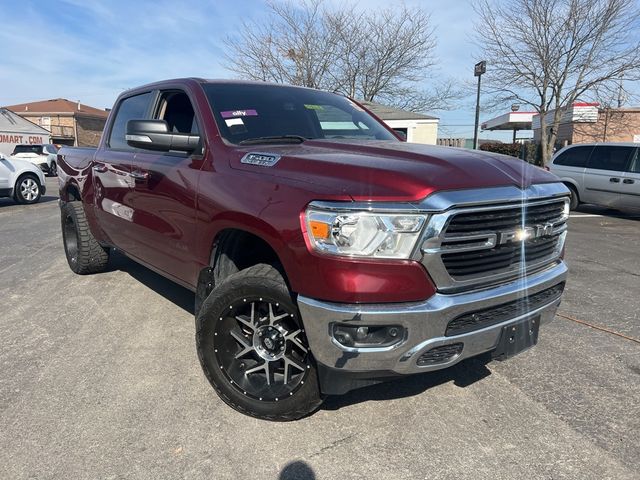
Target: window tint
<point>634,166</point>
<point>573,157</point>
<point>27,149</point>
<point>609,157</point>
<point>132,108</point>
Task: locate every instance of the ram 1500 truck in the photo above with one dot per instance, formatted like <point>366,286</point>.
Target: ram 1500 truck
<point>325,253</point>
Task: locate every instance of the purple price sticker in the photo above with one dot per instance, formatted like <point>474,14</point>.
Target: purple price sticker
<point>239,113</point>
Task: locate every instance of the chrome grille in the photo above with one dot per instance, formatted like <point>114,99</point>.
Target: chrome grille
<point>467,247</point>
<point>509,218</point>
<point>499,258</point>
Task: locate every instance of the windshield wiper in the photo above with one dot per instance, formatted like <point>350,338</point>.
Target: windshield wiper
<point>273,139</point>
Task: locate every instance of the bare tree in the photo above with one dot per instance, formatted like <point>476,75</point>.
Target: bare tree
<point>379,56</point>
<point>549,53</point>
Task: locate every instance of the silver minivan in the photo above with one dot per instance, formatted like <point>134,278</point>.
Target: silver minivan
<point>606,174</point>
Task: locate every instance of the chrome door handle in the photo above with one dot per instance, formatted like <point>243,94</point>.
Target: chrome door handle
<point>628,180</point>
<point>614,180</point>
<point>139,176</point>
<point>100,168</point>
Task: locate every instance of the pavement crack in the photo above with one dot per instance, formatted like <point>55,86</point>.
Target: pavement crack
<point>588,260</point>
<point>336,443</point>
<point>598,327</point>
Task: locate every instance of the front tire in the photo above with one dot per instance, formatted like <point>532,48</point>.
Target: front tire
<point>53,170</point>
<point>252,347</point>
<point>28,189</point>
<point>575,200</point>
<point>84,253</point>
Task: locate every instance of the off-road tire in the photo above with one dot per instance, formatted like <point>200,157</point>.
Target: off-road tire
<point>266,283</point>
<point>84,254</point>
<point>33,182</point>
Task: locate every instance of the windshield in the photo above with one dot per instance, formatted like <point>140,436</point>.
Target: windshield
<point>249,113</point>
<point>27,149</point>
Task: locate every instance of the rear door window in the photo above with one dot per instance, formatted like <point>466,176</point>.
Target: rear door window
<point>610,157</point>
<point>634,165</point>
<point>131,108</point>
<point>574,157</point>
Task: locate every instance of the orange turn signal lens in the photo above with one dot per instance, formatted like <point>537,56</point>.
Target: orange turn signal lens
<point>319,230</point>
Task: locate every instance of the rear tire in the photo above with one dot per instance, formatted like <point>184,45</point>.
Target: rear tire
<point>53,170</point>
<point>252,348</point>
<point>84,253</point>
<point>575,200</point>
<point>28,189</point>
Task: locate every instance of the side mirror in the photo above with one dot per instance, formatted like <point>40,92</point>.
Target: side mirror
<point>155,135</point>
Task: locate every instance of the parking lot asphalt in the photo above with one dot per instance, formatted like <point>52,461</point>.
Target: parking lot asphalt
<point>99,379</point>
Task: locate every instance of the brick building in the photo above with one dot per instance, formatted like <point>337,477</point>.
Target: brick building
<point>589,123</point>
<point>70,123</point>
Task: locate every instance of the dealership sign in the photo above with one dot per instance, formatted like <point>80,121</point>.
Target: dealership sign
<point>15,139</point>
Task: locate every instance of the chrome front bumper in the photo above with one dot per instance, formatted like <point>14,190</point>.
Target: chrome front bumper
<point>425,324</point>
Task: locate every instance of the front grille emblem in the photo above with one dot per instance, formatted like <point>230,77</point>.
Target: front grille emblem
<point>526,233</point>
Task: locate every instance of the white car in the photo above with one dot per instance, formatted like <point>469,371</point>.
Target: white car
<point>606,174</point>
<point>21,180</point>
<point>44,156</point>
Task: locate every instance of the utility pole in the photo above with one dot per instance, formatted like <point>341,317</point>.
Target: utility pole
<point>478,70</point>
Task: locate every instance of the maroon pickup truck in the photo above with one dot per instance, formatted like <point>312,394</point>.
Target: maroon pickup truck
<point>325,253</point>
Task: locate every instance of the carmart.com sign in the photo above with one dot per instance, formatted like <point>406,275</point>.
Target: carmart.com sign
<point>17,139</point>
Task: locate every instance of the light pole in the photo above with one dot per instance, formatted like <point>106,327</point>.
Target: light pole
<point>478,70</point>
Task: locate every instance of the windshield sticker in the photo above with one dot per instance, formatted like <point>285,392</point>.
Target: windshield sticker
<point>313,107</point>
<point>233,121</point>
<point>239,113</point>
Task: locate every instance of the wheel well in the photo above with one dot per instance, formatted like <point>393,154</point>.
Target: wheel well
<point>72,193</point>
<point>26,174</point>
<point>234,250</point>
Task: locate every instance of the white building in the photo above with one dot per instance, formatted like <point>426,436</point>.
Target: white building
<point>418,128</point>
<point>15,130</point>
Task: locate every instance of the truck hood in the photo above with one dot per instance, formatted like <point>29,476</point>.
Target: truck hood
<point>393,171</point>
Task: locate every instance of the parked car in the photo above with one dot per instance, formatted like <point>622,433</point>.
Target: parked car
<point>21,180</point>
<point>606,174</point>
<point>325,253</point>
<point>44,156</point>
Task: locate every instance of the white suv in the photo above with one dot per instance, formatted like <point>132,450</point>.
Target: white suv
<point>44,156</point>
<point>606,174</point>
<point>21,180</point>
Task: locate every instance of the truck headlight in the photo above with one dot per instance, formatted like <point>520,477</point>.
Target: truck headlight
<point>363,233</point>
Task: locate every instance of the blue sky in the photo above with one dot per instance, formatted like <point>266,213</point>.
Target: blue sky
<point>92,50</point>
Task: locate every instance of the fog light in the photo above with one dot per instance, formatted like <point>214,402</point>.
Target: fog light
<point>369,336</point>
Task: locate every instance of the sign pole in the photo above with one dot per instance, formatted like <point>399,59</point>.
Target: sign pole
<point>478,70</point>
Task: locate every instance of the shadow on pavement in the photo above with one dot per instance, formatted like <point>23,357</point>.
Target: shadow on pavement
<point>10,202</point>
<point>462,375</point>
<point>608,212</point>
<point>173,292</point>
<point>297,470</point>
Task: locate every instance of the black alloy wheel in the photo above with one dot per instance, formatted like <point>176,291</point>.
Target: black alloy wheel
<point>261,349</point>
<point>252,346</point>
